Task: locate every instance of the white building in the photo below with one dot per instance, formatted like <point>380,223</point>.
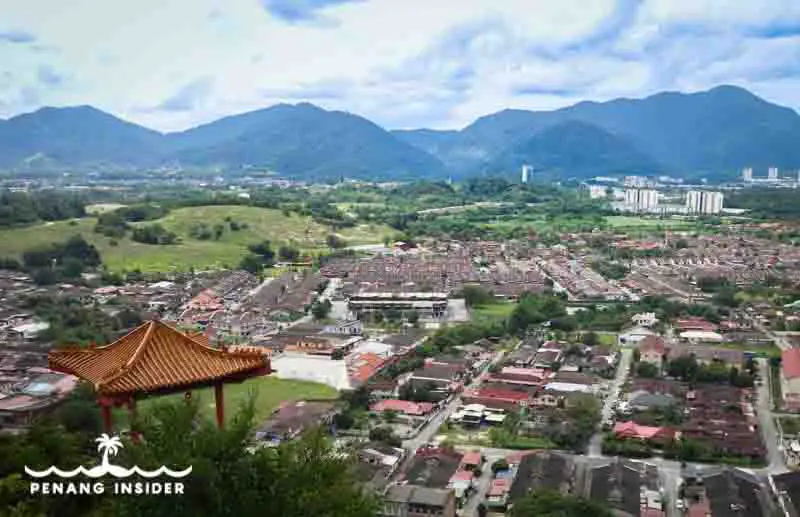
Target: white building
<point>772,174</point>
<point>635,181</point>
<point>747,175</point>
<point>703,202</point>
<point>641,200</point>
<point>527,173</point>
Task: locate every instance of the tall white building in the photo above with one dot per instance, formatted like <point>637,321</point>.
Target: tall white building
<point>635,181</point>
<point>527,173</point>
<point>641,200</point>
<point>747,175</point>
<point>704,202</point>
<point>772,174</point>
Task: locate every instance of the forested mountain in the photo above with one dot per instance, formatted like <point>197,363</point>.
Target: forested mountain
<point>725,128</point>
<point>77,135</point>
<point>720,130</point>
<point>304,140</point>
<point>301,140</point>
<point>574,148</point>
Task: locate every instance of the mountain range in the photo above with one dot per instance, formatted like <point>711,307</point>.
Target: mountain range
<point>719,130</point>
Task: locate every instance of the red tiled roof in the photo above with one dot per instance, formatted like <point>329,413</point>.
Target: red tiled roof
<point>498,394</point>
<point>634,430</point>
<point>499,487</point>
<point>652,343</point>
<point>152,357</point>
<point>471,458</point>
<point>790,362</point>
<point>403,406</point>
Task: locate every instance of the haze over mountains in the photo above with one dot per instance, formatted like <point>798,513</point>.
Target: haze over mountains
<point>719,130</point>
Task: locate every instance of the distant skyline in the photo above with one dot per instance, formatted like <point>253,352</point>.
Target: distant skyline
<point>172,64</point>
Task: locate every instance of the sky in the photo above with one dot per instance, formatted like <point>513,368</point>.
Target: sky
<point>174,64</point>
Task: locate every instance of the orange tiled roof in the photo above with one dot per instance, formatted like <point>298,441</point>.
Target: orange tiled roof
<point>151,357</point>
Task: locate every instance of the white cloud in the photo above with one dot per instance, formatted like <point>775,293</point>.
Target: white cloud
<point>402,63</point>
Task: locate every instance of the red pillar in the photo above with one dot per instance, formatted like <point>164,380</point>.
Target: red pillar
<point>132,419</point>
<point>105,408</point>
<point>219,399</point>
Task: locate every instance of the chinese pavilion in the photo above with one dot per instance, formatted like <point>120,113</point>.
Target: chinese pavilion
<point>157,359</point>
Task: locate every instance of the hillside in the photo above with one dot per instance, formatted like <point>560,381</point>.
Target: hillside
<point>295,140</point>
<point>305,140</point>
<point>79,135</point>
<point>720,130</point>
<point>190,252</point>
<point>574,148</point>
<point>723,129</point>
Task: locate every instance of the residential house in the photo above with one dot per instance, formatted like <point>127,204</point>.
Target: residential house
<point>632,336</point>
<point>634,431</point>
<point>404,407</point>
<point>497,398</point>
<point>644,319</point>
<point>631,488</point>
<point>652,349</point>
<point>418,501</point>
<point>291,419</point>
<point>790,379</point>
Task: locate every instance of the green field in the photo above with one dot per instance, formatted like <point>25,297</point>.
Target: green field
<point>500,310</point>
<point>269,392</point>
<point>625,221</point>
<point>263,224</point>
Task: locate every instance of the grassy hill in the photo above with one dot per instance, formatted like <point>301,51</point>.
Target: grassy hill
<point>262,224</point>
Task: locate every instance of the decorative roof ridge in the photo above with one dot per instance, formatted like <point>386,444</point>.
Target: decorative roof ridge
<point>151,325</point>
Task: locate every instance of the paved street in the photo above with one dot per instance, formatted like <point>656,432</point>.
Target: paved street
<point>766,422</point>
<point>595,444</point>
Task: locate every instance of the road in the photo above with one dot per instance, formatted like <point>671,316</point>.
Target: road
<point>766,422</point>
<point>595,444</point>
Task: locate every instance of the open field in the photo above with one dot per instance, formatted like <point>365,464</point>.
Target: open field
<point>625,221</point>
<point>269,392</point>
<point>498,310</point>
<point>263,224</point>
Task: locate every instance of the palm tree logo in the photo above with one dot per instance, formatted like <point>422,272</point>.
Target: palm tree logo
<point>108,445</point>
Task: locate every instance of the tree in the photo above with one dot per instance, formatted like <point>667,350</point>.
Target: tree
<point>288,253</point>
<point>590,339</point>
<point>231,477</point>
<point>545,503</point>
<point>335,242</point>
<point>412,317</point>
<point>321,309</point>
<point>475,295</point>
<point>384,434</point>
<point>499,465</point>
<point>647,370</point>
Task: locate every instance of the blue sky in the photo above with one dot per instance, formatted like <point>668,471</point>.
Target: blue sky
<point>402,63</point>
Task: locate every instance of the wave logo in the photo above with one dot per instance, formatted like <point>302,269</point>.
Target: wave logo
<point>108,446</point>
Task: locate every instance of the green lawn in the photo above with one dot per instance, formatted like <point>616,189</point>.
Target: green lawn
<point>227,251</point>
<point>497,310</point>
<point>625,221</point>
<point>761,351</point>
<point>269,392</point>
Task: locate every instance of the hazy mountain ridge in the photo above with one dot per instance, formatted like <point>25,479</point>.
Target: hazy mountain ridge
<point>722,129</point>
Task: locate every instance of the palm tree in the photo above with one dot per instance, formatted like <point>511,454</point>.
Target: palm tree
<point>108,445</point>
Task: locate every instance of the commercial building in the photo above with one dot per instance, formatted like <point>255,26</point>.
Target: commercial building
<point>772,174</point>
<point>704,202</point>
<point>747,174</point>
<point>641,200</point>
<point>427,305</point>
